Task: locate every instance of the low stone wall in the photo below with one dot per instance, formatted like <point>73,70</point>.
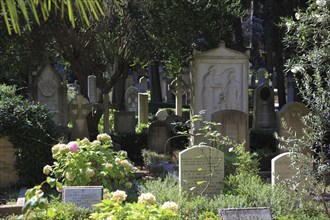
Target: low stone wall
<point>8,174</point>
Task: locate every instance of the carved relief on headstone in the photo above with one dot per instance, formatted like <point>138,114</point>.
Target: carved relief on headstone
<point>158,134</point>
<point>79,109</point>
<point>263,107</point>
<point>234,124</point>
<point>49,94</point>
<point>131,99</point>
<point>201,170</point>
<point>8,174</point>
<point>219,81</point>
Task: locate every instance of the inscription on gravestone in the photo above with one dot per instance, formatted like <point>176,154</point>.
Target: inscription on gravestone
<point>246,214</point>
<point>83,196</point>
<point>201,169</point>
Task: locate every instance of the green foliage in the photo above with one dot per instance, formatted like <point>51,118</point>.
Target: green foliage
<point>32,131</point>
<point>152,157</point>
<point>84,163</point>
<point>145,208</point>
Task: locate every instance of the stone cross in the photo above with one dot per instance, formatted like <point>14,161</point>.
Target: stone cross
<point>178,88</point>
<point>79,109</point>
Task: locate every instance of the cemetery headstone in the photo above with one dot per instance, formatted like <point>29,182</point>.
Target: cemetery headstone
<point>143,108</point>
<point>8,174</point>
<point>201,170</point>
<point>141,87</point>
<point>158,134</point>
<point>173,119</point>
<point>131,99</point>
<point>234,124</point>
<point>79,109</point>
<point>50,93</point>
<point>124,122</point>
<point>263,107</point>
<point>161,114</point>
<point>283,171</point>
<point>219,81</point>
<point>82,196</point>
<point>262,76</point>
<point>129,81</point>
<point>144,80</point>
<point>178,87</point>
<point>292,113</point>
<point>256,213</point>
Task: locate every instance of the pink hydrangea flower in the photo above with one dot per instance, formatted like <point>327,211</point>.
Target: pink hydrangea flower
<point>73,146</point>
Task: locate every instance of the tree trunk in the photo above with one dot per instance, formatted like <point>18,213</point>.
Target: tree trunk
<point>156,95</point>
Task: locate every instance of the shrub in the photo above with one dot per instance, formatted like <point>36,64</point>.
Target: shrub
<point>82,163</point>
<point>145,208</point>
<point>32,131</point>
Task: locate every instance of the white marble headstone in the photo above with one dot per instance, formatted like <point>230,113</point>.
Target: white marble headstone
<point>201,170</point>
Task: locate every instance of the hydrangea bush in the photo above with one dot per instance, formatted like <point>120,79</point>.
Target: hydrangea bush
<point>83,163</point>
<point>115,208</point>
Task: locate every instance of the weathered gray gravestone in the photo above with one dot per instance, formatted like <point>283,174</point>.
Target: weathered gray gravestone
<point>292,114</point>
<point>256,213</point>
<point>131,99</point>
<point>124,122</point>
<point>161,114</point>
<point>8,174</point>
<point>158,134</point>
<point>234,124</point>
<point>79,109</point>
<point>201,170</point>
<point>263,107</point>
<point>50,93</point>
<point>283,171</point>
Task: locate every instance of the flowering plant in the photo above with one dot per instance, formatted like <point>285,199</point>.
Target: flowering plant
<point>84,163</point>
<point>115,208</point>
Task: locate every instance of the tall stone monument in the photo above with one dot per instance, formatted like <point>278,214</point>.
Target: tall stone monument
<point>51,92</point>
<point>219,81</point>
<point>79,109</point>
<point>179,88</point>
<point>264,115</point>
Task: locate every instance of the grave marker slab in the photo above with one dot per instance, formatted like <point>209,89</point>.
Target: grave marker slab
<point>8,174</point>
<point>234,124</point>
<point>79,109</point>
<point>82,196</point>
<point>124,122</point>
<point>257,213</point>
<point>201,164</point>
<point>158,134</point>
<point>263,107</point>
<point>131,99</point>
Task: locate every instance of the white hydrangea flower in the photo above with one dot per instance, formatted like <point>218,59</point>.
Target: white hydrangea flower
<point>69,177</point>
<point>103,137</point>
<point>146,198</point>
<point>171,206</point>
<point>118,196</point>
<point>108,166</point>
<point>321,3</point>
<point>90,172</point>
<point>47,169</point>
